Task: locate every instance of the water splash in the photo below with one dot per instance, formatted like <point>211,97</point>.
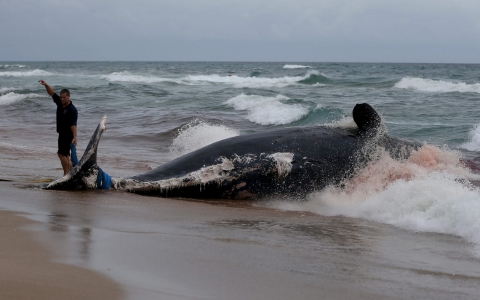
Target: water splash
<point>198,134</point>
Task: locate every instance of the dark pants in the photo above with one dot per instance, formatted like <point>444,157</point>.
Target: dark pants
<point>64,141</point>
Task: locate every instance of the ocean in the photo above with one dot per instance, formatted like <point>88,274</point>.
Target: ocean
<point>397,230</point>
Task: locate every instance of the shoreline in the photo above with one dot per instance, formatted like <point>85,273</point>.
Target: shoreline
<point>138,247</point>
<point>29,272</point>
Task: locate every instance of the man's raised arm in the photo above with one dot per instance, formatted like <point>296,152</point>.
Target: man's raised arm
<point>50,91</point>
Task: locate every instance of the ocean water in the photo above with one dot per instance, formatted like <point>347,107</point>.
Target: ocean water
<point>160,110</point>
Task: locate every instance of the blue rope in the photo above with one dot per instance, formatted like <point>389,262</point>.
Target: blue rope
<point>73,156</point>
<point>103,180</point>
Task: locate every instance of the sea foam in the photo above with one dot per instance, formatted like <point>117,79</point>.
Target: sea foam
<point>12,66</point>
<point>128,77</point>
<point>474,143</point>
<point>430,192</point>
<point>36,72</point>
<point>436,86</point>
<point>198,134</point>
<point>296,67</point>
<point>12,97</point>
<point>6,89</point>
<point>251,82</point>
<point>233,80</point>
<point>268,110</point>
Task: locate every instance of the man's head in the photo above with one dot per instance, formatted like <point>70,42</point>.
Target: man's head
<point>65,97</point>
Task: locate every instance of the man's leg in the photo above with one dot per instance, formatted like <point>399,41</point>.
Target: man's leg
<point>64,152</point>
<point>65,160</point>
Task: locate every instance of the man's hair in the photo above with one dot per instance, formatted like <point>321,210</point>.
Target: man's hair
<point>65,91</point>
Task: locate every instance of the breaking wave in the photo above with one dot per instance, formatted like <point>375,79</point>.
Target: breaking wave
<point>436,86</point>
<point>128,77</point>
<point>312,77</point>
<point>12,66</point>
<point>296,67</point>
<point>36,72</point>
<point>198,134</point>
<point>474,143</point>
<point>430,192</point>
<point>268,110</point>
<point>12,97</point>
<point>316,79</point>
<point>257,82</point>
<point>5,89</point>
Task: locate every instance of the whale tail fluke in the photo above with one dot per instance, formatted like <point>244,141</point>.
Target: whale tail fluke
<point>85,174</point>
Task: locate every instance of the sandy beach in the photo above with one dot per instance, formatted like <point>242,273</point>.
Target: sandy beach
<point>28,272</point>
<point>155,248</point>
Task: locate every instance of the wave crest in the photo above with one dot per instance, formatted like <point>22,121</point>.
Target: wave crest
<point>268,110</point>
<point>296,67</point>
<point>474,143</point>
<point>252,81</point>
<point>36,72</point>
<point>5,89</point>
<point>198,134</point>
<point>12,66</point>
<point>312,77</point>
<point>12,97</point>
<point>436,86</point>
<point>128,77</point>
<point>315,78</point>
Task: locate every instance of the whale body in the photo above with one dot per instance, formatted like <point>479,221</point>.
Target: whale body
<point>288,161</point>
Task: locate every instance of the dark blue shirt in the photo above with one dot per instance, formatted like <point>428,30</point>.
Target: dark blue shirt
<point>66,116</point>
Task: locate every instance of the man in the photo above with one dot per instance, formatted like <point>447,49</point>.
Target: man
<point>66,124</point>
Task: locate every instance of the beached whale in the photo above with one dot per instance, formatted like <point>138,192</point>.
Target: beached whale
<point>288,161</point>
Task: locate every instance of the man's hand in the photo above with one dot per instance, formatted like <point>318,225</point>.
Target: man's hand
<point>50,91</point>
<point>74,133</point>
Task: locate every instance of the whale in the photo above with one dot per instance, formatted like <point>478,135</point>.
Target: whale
<point>290,161</point>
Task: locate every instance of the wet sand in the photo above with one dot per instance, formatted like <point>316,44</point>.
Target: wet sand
<point>28,272</point>
<point>177,249</point>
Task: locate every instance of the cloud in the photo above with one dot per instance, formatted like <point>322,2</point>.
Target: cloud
<point>83,29</point>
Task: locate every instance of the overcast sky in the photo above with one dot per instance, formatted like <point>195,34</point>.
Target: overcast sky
<point>241,30</point>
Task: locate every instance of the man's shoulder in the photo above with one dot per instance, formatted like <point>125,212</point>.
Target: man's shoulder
<point>56,98</point>
<point>72,107</point>
<point>72,110</point>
